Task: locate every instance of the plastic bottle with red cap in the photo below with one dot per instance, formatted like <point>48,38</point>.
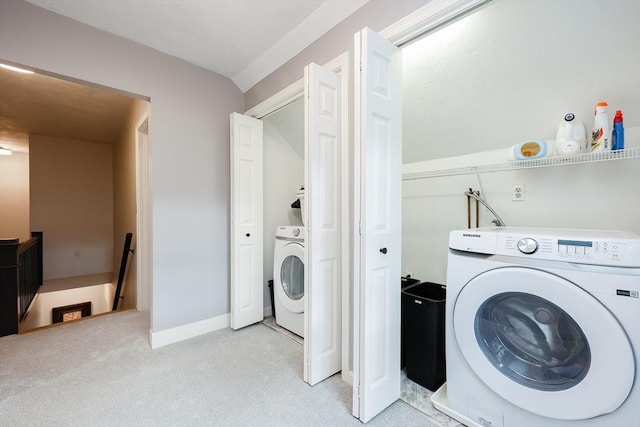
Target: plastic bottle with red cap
<point>617,133</point>
<point>600,133</point>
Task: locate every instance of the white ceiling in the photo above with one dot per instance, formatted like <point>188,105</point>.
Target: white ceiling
<point>244,40</point>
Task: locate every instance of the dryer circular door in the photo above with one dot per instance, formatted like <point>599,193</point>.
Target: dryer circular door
<point>543,343</point>
<point>290,278</point>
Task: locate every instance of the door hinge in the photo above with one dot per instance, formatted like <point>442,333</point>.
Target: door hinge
<point>359,227</point>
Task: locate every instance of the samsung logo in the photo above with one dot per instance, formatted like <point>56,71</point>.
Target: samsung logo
<point>627,293</point>
<point>470,235</point>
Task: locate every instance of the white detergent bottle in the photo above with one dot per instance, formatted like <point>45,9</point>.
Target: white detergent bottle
<point>571,137</point>
<point>601,129</point>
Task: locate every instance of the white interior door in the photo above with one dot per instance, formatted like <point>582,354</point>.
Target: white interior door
<point>323,263</point>
<point>246,221</point>
<point>377,211</point>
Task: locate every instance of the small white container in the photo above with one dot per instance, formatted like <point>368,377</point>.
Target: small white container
<point>531,150</point>
<point>571,137</point>
<point>601,132</point>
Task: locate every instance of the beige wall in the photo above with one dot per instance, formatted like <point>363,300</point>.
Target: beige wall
<point>124,198</point>
<point>14,196</point>
<point>71,184</point>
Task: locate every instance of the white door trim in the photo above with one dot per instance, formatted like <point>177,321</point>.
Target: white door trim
<point>295,90</point>
<point>281,99</point>
<point>144,233</point>
<point>428,18</point>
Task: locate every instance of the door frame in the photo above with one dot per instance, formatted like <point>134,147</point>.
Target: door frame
<point>429,18</point>
<point>341,66</point>
<point>144,232</point>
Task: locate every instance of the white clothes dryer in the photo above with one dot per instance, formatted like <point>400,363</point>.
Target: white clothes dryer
<point>542,328</point>
<point>288,278</point>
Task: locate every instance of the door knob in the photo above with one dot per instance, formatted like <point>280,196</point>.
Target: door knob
<point>383,250</point>
<point>248,234</point>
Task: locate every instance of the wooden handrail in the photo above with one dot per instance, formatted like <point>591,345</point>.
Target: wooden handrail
<point>25,246</point>
<point>123,268</point>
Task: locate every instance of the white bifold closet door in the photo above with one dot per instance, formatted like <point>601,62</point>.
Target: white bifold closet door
<point>323,245</point>
<point>377,223</point>
<point>323,263</point>
<point>247,305</point>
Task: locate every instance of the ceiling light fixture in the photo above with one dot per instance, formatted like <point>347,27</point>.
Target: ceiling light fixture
<point>19,70</point>
<point>5,151</point>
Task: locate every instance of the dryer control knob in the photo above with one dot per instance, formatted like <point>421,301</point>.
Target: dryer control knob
<point>296,232</point>
<point>527,245</point>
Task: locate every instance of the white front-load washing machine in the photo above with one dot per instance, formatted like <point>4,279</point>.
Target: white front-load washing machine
<point>288,278</point>
<point>542,328</point>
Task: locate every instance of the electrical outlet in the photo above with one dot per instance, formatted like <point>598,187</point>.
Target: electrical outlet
<point>518,193</point>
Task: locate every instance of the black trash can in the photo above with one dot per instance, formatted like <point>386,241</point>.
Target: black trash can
<point>405,281</point>
<point>423,308</point>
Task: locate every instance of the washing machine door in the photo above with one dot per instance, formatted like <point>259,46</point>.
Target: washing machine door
<point>290,278</point>
<point>543,343</point>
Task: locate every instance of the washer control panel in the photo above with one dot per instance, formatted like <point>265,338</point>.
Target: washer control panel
<point>596,251</point>
<point>598,247</point>
<point>292,233</point>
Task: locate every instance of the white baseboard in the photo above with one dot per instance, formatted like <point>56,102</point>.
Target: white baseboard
<point>267,311</point>
<point>190,330</point>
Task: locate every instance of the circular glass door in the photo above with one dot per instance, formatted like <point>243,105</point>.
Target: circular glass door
<point>543,343</point>
<point>288,276</point>
<point>292,277</point>
<point>532,341</point>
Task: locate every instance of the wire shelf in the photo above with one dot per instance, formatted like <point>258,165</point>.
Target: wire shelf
<point>629,153</point>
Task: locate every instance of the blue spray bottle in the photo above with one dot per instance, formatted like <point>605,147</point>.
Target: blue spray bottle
<point>617,133</point>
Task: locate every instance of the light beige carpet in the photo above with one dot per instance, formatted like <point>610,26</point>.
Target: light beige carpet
<point>102,372</point>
